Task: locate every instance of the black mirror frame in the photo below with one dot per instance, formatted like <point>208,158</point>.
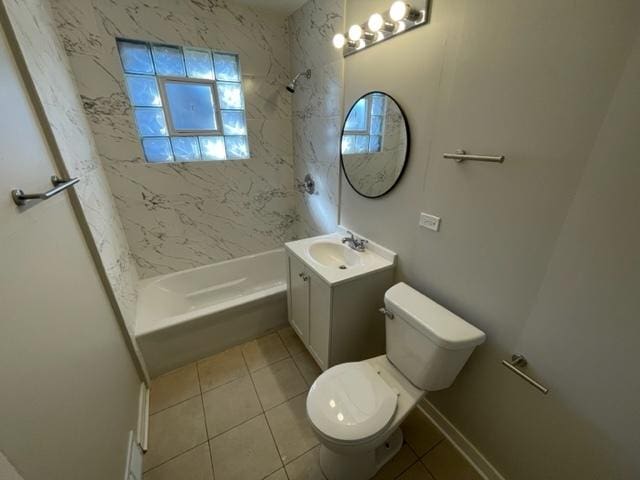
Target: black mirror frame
<point>406,155</point>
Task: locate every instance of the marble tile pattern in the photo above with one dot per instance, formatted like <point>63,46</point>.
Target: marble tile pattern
<point>51,72</point>
<point>183,215</point>
<point>317,112</point>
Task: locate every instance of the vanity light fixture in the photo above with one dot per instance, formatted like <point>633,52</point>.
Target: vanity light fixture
<point>401,17</point>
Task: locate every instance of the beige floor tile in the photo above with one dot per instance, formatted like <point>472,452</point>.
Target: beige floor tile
<point>279,475</point>
<point>398,464</point>
<point>245,453</point>
<point>417,472</point>
<point>306,467</point>
<point>291,340</point>
<point>278,383</point>
<point>230,405</point>
<point>264,351</point>
<point>291,429</point>
<point>446,463</point>
<point>307,366</point>
<point>193,465</point>
<point>174,431</point>
<point>221,368</point>
<point>173,388</point>
<point>420,433</point>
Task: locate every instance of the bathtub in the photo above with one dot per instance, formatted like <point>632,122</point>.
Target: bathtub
<point>184,316</point>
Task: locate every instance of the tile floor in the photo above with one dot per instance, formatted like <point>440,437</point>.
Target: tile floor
<point>240,415</point>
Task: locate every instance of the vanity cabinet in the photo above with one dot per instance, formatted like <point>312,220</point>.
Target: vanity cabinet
<point>337,323</point>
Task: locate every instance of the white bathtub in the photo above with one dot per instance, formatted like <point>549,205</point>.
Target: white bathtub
<point>185,316</point>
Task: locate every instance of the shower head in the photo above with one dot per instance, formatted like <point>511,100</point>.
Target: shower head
<point>292,85</point>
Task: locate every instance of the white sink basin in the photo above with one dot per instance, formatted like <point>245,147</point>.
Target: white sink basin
<point>334,262</point>
<point>331,254</point>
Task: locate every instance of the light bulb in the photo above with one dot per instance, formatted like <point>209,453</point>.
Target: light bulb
<point>339,40</point>
<point>376,22</point>
<point>355,33</point>
<point>398,11</point>
<point>404,11</point>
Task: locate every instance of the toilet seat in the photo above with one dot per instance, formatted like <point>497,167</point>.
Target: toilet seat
<point>350,403</point>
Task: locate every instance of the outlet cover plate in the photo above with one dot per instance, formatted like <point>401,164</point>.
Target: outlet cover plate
<point>429,221</point>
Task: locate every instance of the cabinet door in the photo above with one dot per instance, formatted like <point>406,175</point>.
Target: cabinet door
<point>319,320</point>
<point>299,301</point>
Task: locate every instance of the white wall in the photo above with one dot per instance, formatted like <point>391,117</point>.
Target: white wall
<point>49,68</point>
<point>533,81</point>
<point>69,386</point>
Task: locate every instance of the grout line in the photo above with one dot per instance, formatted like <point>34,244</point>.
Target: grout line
<point>213,469</point>
<point>288,357</point>
<point>173,458</point>
<point>223,384</point>
<point>275,443</point>
<point>276,470</point>
<point>432,448</point>
<point>427,453</point>
<point>300,372</point>
<point>405,470</point>
<point>236,426</point>
<point>301,455</point>
<point>206,429</point>
<point>174,405</point>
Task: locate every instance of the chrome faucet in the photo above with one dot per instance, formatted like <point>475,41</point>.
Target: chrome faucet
<point>357,244</point>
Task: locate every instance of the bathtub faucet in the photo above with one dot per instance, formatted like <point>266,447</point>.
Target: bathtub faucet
<point>357,244</point>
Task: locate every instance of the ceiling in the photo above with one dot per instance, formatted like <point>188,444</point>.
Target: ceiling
<point>284,7</point>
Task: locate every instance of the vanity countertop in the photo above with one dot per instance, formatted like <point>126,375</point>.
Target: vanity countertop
<point>335,262</point>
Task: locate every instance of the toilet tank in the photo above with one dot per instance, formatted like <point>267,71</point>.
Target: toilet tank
<point>425,341</point>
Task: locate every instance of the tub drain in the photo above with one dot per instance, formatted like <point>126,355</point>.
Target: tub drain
<point>342,267</point>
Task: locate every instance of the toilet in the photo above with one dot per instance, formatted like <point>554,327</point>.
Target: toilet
<point>356,408</point>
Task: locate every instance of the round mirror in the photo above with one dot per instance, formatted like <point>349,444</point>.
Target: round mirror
<point>375,144</point>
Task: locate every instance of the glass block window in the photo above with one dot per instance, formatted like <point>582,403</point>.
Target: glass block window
<point>364,127</point>
<point>188,103</point>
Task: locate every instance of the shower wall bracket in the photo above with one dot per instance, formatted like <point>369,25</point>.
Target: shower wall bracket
<point>307,185</point>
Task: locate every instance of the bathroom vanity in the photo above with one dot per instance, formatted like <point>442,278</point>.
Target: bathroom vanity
<point>335,293</point>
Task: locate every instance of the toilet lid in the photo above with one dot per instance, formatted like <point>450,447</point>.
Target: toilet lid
<point>350,402</point>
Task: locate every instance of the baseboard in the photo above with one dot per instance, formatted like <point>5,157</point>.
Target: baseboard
<point>133,470</point>
<point>142,432</point>
<point>462,443</point>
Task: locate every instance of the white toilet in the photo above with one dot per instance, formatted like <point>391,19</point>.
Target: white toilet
<point>356,408</point>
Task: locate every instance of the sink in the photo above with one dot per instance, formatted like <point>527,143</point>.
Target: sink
<point>335,262</point>
<point>331,254</point>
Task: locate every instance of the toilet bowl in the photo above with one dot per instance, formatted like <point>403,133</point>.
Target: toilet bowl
<point>356,408</point>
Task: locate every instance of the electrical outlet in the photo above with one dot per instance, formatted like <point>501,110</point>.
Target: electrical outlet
<point>429,221</point>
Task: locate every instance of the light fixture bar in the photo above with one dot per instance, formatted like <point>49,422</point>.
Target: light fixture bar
<point>400,18</point>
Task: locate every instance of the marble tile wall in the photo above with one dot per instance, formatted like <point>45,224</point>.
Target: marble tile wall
<point>317,112</point>
<point>183,215</point>
<point>51,73</point>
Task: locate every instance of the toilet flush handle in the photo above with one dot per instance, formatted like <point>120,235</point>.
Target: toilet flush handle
<point>387,313</point>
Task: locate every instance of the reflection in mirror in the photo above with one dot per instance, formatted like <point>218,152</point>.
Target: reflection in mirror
<point>375,144</point>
